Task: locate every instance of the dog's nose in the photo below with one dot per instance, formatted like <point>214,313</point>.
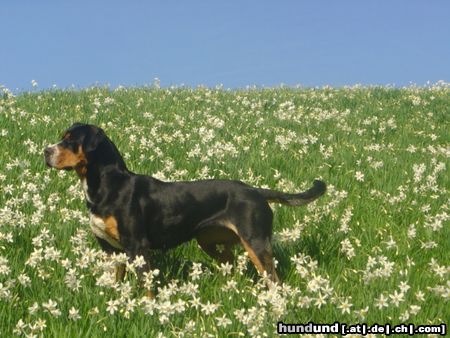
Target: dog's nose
<point>47,155</point>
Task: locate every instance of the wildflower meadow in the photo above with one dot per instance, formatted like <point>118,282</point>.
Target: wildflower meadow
<point>374,249</point>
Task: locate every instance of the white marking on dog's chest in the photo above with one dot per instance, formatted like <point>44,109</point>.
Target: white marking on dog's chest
<point>85,190</point>
<point>100,229</point>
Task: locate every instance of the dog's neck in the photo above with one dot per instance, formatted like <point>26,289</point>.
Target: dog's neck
<point>106,158</point>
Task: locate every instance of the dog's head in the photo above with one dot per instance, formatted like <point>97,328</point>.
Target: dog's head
<point>75,146</point>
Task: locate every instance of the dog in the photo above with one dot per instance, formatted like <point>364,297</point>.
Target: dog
<point>134,213</point>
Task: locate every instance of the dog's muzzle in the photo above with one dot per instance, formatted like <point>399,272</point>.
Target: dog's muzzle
<point>49,154</point>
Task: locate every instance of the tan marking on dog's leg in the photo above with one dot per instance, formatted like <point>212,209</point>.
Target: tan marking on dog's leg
<point>253,257</point>
<point>267,261</point>
<point>231,226</point>
<point>263,262</point>
<point>251,253</point>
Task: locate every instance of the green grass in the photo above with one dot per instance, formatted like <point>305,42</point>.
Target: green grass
<point>280,138</point>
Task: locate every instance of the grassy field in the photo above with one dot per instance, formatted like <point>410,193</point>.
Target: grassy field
<point>374,249</point>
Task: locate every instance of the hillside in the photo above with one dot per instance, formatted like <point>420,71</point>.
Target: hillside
<point>374,249</point>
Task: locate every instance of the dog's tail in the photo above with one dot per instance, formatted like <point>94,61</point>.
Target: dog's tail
<point>302,198</point>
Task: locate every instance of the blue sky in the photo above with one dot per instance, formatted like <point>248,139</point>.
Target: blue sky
<point>234,43</point>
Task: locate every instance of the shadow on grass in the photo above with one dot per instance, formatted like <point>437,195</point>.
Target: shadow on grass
<point>324,250</point>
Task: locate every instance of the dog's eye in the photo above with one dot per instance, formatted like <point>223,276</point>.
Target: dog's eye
<point>68,143</point>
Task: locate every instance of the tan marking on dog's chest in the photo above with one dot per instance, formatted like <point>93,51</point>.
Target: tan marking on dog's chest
<point>107,229</point>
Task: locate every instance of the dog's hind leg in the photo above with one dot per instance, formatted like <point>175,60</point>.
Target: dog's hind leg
<point>260,253</point>
<point>253,225</point>
<point>217,242</point>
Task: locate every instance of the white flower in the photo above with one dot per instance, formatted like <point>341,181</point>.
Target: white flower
<point>345,306</point>
<point>148,304</point>
<point>195,302</point>
<point>404,316</point>
<point>345,220</point>
<point>320,300</point>
<point>347,248</point>
<point>420,296</point>
<point>71,280</point>
<point>51,307</point>
<point>139,261</point>
<point>196,271</point>
<point>362,313</point>
<point>414,309</point>
<point>74,314</point>
<point>223,321</point>
<point>397,298</point>
<point>404,287</point>
<point>39,325</point>
<point>209,308</point>
<point>412,231</point>
<point>382,302</point>
<point>20,327</point>
<point>305,302</point>
<point>439,270</point>
<point>190,326</point>
<point>179,306</point>
<point>225,268</point>
<point>419,169</point>
<point>231,285</point>
<point>411,149</point>
<point>129,307</point>
<point>4,268</point>
<point>359,176</point>
<point>112,306</point>
<point>24,280</point>
<point>34,308</point>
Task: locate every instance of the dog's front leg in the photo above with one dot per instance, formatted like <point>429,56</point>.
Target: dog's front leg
<point>120,270</point>
<point>141,249</point>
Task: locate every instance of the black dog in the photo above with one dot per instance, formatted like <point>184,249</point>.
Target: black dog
<point>134,213</point>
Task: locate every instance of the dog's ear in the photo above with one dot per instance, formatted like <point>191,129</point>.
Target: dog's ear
<point>71,128</point>
<point>94,137</point>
